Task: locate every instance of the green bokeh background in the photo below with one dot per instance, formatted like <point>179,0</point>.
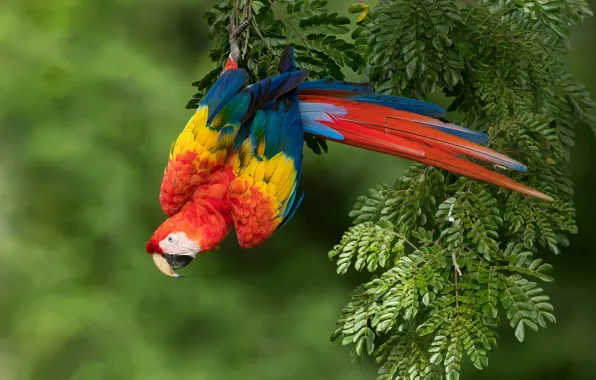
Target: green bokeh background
<point>92,93</point>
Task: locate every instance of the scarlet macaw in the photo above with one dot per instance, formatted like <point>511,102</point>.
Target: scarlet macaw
<point>238,161</point>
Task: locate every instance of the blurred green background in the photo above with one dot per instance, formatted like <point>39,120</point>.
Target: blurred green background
<point>92,93</point>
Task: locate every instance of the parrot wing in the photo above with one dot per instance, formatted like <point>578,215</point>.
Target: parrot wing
<point>268,167</point>
<point>209,138</point>
<point>202,146</point>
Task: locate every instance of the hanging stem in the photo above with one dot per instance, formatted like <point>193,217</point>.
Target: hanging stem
<point>247,35</point>
<point>456,275</point>
<point>236,14</point>
<point>235,32</point>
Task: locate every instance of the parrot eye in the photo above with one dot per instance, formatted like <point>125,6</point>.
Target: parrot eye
<point>171,239</point>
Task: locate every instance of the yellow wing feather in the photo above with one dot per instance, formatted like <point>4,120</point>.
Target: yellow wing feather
<point>192,158</point>
<point>260,194</point>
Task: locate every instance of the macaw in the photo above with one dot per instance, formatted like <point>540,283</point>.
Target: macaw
<point>238,160</point>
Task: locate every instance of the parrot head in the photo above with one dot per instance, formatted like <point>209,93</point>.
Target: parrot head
<point>172,248</point>
<point>179,239</point>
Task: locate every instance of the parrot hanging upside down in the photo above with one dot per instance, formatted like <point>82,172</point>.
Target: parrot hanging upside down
<point>238,160</point>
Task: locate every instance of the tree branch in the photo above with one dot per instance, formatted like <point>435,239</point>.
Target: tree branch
<point>235,32</point>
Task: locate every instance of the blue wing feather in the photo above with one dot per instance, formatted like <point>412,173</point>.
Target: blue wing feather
<point>291,138</point>
<point>240,107</point>
<point>226,137</point>
<point>271,88</point>
<point>234,110</point>
<point>257,127</point>
<point>291,209</point>
<point>225,88</point>
<point>242,134</point>
<point>287,63</point>
<point>273,130</point>
<point>291,134</point>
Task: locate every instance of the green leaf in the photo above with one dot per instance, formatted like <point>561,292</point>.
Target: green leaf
<point>411,67</point>
<point>520,331</point>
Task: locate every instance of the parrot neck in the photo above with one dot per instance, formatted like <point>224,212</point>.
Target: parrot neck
<point>208,222</point>
<point>209,212</point>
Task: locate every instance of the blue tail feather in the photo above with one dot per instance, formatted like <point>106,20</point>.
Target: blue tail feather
<point>330,84</point>
<point>401,103</point>
<point>313,127</point>
<point>468,134</point>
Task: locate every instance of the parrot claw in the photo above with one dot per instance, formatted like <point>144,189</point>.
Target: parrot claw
<point>235,32</point>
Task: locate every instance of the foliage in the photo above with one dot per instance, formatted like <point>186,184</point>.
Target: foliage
<point>472,248</point>
<point>314,32</point>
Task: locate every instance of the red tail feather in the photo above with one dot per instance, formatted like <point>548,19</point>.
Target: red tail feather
<point>411,136</point>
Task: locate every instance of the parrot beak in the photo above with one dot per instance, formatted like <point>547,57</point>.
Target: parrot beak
<point>168,263</point>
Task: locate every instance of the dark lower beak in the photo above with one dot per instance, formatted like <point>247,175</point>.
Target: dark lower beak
<point>178,261</point>
<point>167,264</point>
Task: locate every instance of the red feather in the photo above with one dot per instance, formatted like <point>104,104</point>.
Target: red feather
<point>409,135</point>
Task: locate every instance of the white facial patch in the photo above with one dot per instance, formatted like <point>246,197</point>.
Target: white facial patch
<point>178,243</point>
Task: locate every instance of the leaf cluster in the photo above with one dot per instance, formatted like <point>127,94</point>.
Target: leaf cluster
<point>316,34</point>
<point>460,256</point>
<point>410,46</point>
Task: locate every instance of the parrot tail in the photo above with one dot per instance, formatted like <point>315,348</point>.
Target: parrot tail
<point>377,123</point>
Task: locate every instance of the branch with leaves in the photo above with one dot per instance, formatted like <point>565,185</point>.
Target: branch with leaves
<point>316,35</point>
<point>446,254</point>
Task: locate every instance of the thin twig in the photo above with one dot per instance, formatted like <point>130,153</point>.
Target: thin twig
<point>402,237</point>
<point>235,32</point>
<point>455,266</point>
<point>256,28</point>
<point>247,36</point>
<point>456,275</point>
<point>288,22</point>
<point>236,14</point>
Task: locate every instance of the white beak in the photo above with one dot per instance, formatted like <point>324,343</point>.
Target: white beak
<point>163,266</point>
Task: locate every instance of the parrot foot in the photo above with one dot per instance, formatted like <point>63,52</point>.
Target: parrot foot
<point>235,32</point>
